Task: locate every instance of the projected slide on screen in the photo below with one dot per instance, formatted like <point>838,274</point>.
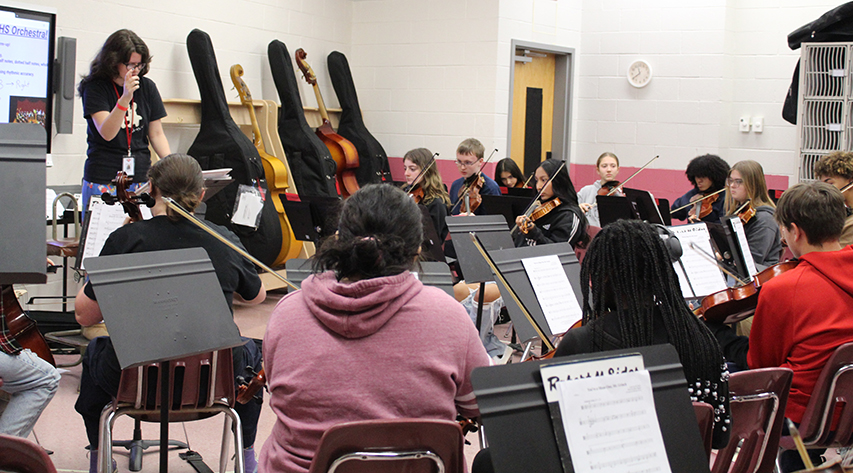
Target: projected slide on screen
<point>25,40</point>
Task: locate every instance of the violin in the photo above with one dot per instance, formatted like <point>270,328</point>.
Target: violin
<point>609,188</point>
<point>21,327</point>
<point>478,179</point>
<point>342,150</point>
<point>745,212</point>
<point>415,190</point>
<point>737,303</point>
<point>534,204</point>
<point>417,195</point>
<point>538,213</point>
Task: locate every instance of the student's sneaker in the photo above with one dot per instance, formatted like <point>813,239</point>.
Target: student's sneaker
<point>249,460</point>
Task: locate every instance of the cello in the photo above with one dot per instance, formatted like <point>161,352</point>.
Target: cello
<point>274,169</point>
<point>342,150</point>
<point>21,327</point>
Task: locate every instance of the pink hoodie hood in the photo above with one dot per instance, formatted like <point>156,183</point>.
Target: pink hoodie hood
<point>361,308</point>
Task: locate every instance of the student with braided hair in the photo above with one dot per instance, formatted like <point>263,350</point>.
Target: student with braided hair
<point>640,304</point>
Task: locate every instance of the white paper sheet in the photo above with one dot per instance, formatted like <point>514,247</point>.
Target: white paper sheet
<point>611,424</point>
<point>737,225</point>
<point>553,291</point>
<point>704,275</point>
<point>104,220</point>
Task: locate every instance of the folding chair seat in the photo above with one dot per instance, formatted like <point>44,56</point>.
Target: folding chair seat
<point>757,400</point>
<point>379,446</point>
<point>22,456</point>
<point>828,419</point>
<point>201,387</point>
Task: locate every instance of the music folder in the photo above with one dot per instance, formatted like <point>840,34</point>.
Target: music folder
<point>154,303</point>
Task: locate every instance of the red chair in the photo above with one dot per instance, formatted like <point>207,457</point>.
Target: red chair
<point>380,446</point>
<point>202,386</point>
<point>757,400</point>
<point>828,419</point>
<point>580,251</point>
<point>705,419</point>
<point>22,456</point>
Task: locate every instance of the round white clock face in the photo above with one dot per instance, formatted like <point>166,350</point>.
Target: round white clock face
<point>639,73</point>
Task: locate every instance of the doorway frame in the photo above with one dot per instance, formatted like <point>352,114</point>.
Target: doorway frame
<point>561,131</point>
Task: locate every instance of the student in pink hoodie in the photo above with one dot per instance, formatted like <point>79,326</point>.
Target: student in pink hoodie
<point>364,339</point>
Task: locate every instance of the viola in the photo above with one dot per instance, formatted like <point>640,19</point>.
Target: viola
<point>21,327</point>
<point>737,303</point>
<point>342,150</point>
<point>275,171</point>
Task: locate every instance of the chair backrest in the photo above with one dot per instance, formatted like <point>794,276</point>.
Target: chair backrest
<point>22,456</point>
<point>828,419</point>
<point>757,400</point>
<point>705,419</point>
<point>352,447</point>
<point>196,381</point>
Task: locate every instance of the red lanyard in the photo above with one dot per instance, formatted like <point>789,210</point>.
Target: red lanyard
<point>127,128</point>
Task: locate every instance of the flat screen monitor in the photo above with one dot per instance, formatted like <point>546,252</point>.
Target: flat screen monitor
<point>27,40</point>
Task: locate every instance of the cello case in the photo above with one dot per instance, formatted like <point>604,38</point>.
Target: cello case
<point>310,161</point>
<point>221,144</point>
<point>373,162</point>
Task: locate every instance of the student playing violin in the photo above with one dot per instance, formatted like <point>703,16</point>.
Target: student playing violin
<point>708,174</point>
<point>558,218</point>
<point>508,174</point>
<point>429,190</point>
<point>607,167</point>
<point>836,169</point>
<point>469,159</point>
<point>746,188</point>
<point>803,315</point>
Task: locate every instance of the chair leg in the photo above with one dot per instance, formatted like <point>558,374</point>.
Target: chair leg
<point>237,428</point>
<point>223,453</point>
<point>105,441</point>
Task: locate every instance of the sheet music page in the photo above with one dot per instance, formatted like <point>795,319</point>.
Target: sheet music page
<point>703,274</point>
<point>737,225</point>
<point>104,220</point>
<point>611,424</point>
<point>555,294</point>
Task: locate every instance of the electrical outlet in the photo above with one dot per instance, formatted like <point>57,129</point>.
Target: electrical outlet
<point>743,126</point>
<point>758,124</point>
<point>48,160</point>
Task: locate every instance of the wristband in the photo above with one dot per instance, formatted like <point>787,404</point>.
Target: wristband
<point>120,107</point>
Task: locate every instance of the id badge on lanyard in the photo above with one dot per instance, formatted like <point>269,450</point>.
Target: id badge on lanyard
<point>128,163</point>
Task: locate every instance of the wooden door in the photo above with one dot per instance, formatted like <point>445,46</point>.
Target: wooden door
<point>533,89</point>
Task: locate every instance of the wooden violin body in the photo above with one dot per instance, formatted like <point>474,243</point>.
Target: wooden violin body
<point>21,327</point>
<point>736,303</point>
<point>341,149</point>
<point>274,170</point>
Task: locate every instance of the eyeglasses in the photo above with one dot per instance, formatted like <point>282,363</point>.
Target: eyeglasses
<point>464,164</point>
<point>734,182</point>
<point>134,65</point>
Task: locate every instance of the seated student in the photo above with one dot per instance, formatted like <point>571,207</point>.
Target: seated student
<point>746,183</point>
<point>179,177</point>
<point>803,315</point>
<point>469,159</point>
<point>508,174</point>
<point>429,189</point>
<point>641,305</point>
<point>29,380</point>
<point>373,342</point>
<point>564,222</point>
<point>836,169</point>
<point>607,167</point>
<point>708,174</point>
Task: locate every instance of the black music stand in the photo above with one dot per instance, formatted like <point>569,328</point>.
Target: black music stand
<point>494,235</point>
<point>644,204</point>
<point>431,248</point>
<point>612,208</point>
<point>527,192</point>
<point>508,261</point>
<point>663,208</point>
<point>508,206</point>
<point>431,273</point>
<point>153,304</point>
<point>513,407</point>
<point>737,251</point>
<point>312,218</point>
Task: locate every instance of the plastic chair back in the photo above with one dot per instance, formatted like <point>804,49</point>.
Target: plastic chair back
<point>828,419</point>
<point>22,456</point>
<point>377,446</point>
<point>757,400</point>
<point>705,419</point>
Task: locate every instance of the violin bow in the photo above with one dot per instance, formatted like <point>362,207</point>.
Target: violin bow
<point>700,200</point>
<point>468,186</point>
<point>846,188</point>
<point>710,258</point>
<point>527,182</point>
<point>536,199</point>
<point>546,342</point>
<point>743,207</point>
<point>183,213</point>
<point>422,173</point>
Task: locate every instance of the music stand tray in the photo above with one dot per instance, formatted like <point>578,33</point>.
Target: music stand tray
<point>514,410</point>
<point>494,235</point>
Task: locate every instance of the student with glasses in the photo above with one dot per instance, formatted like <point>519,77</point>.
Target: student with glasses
<point>123,110</point>
<point>746,183</point>
<point>469,159</point>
